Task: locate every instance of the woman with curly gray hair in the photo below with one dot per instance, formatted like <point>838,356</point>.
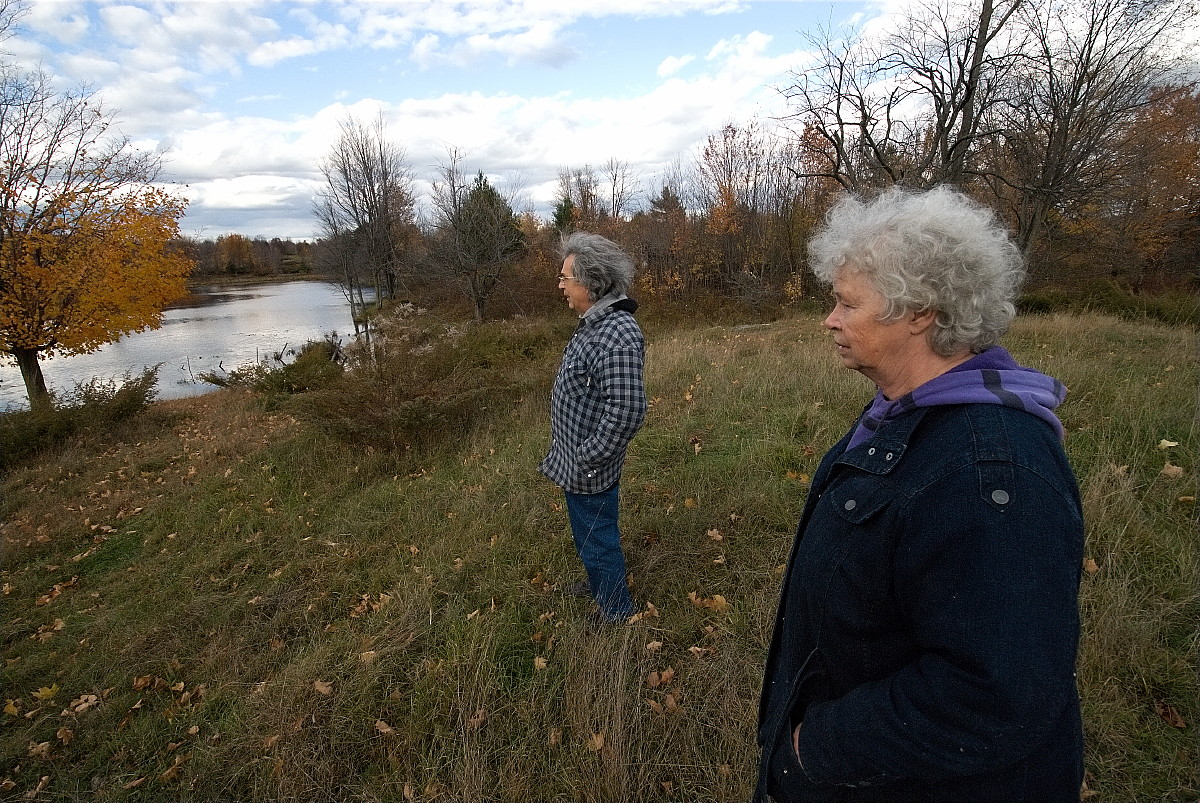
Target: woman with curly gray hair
<point>925,643</point>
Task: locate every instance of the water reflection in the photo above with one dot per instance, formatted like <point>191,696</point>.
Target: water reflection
<point>219,329</point>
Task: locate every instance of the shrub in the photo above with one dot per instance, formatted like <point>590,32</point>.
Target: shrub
<point>420,379</point>
<point>95,404</point>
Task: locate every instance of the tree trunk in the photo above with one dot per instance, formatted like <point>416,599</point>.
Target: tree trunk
<point>31,372</point>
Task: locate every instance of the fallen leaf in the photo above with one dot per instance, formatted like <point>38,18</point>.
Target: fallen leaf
<point>595,742</point>
<point>1172,471</point>
<point>172,771</point>
<point>555,737</point>
<point>653,646</point>
<point>384,728</point>
<point>539,663</point>
<point>1090,566</point>
<point>654,679</point>
<point>715,535</point>
<point>84,702</point>
<point>668,675</point>
<point>39,750</point>
<point>134,784</point>
<point>476,722</point>
<point>1166,444</point>
<point>655,706</point>
<point>321,687</point>
<point>46,692</point>
<point>1169,714</point>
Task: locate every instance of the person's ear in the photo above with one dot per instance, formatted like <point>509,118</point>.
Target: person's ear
<point>920,321</point>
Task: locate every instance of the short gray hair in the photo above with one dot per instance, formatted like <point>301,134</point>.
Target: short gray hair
<point>933,250</point>
<point>600,264</point>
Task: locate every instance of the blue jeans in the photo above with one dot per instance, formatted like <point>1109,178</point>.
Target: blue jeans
<point>598,542</point>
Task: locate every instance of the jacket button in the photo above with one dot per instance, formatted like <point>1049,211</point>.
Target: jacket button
<point>850,504</point>
<point>1000,497</point>
<point>871,450</point>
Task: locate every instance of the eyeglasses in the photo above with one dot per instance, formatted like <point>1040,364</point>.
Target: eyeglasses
<point>562,277</point>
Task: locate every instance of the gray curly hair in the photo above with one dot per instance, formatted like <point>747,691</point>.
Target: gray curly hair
<point>600,264</point>
<point>933,250</point>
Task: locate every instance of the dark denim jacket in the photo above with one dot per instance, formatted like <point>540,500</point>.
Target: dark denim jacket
<point>928,623</point>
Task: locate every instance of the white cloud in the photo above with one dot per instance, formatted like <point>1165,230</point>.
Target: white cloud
<point>673,64</point>
<point>181,78</point>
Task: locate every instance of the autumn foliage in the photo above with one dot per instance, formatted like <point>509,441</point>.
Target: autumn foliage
<point>85,233</point>
<point>68,287</point>
<point>70,293</point>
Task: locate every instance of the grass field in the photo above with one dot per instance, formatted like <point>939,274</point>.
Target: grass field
<point>221,599</point>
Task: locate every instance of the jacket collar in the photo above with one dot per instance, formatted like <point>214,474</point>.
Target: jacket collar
<point>608,303</point>
<point>882,453</point>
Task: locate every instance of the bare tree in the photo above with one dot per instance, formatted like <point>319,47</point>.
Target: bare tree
<point>908,108</point>
<point>366,209</point>
<point>579,191</point>
<point>622,187</point>
<point>1090,69</point>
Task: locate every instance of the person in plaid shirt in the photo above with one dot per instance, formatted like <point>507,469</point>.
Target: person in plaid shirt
<point>597,405</point>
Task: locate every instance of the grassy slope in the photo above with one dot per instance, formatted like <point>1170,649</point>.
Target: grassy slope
<point>221,602</point>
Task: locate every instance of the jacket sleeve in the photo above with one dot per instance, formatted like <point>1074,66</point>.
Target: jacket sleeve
<point>618,373</point>
<point>986,572</point>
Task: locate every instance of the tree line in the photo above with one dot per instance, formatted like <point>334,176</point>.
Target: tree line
<point>1078,121</point>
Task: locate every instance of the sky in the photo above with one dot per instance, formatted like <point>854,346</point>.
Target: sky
<point>244,99</point>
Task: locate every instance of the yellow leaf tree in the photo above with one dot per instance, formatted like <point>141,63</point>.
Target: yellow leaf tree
<point>85,236</point>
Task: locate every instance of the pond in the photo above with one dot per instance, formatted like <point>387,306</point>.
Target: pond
<point>220,329</point>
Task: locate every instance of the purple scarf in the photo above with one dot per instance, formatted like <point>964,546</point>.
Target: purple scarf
<point>992,377</point>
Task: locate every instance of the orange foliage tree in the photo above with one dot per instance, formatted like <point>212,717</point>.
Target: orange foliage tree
<point>85,238</point>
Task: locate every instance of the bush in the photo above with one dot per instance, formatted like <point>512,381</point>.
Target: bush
<point>317,364</point>
<point>420,379</point>
<point>1173,307</point>
<point>92,405</point>
<point>315,367</point>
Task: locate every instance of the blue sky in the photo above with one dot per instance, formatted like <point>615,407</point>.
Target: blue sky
<point>244,98</point>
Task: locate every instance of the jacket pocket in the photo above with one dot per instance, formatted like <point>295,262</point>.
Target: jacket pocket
<point>788,780</point>
<point>857,498</point>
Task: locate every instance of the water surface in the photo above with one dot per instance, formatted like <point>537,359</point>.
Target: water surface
<point>220,329</point>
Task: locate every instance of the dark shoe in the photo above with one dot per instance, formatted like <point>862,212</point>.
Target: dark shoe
<point>579,588</point>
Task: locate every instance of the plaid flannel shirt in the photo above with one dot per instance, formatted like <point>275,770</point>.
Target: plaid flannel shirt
<point>598,402</point>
